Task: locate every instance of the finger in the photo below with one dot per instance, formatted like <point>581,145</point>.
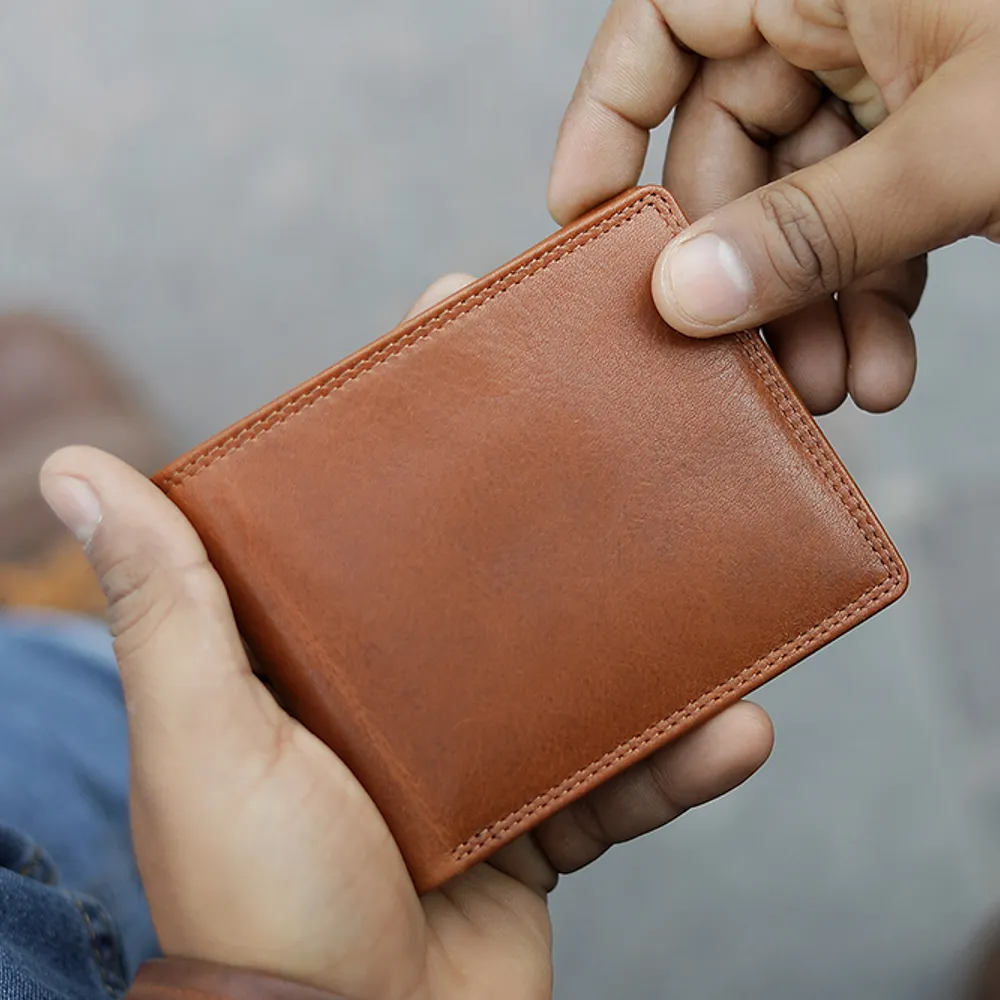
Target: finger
<point>875,313</point>
<point>890,196</point>
<point>745,121</point>
<point>524,860</point>
<point>726,124</point>
<point>716,29</point>
<point>826,132</point>
<point>634,75</point>
<point>809,33</point>
<point>182,662</point>
<point>859,92</point>
<point>440,289</point>
<point>702,765</point>
<point>812,344</point>
<point>809,344</point>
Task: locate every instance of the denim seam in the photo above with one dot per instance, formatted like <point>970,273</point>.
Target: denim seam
<point>38,868</point>
<point>106,974</point>
<point>30,867</point>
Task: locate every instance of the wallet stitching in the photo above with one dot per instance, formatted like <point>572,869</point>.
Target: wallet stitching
<point>831,472</point>
<point>846,493</point>
<point>737,683</point>
<point>308,398</point>
<point>753,350</point>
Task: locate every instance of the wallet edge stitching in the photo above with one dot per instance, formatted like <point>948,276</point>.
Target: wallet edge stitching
<point>886,590</point>
<point>408,338</point>
<point>829,467</point>
<point>736,684</point>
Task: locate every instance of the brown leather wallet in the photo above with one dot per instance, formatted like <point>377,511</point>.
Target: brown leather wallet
<point>531,536</point>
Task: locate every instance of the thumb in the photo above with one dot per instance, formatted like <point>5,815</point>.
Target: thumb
<point>924,178</point>
<point>182,661</point>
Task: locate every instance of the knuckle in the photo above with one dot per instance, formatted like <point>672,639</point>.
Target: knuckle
<point>803,252</point>
<point>143,597</point>
<point>592,828</point>
<point>789,26</point>
<point>663,780</point>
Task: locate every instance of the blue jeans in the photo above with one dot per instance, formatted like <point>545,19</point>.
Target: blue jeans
<point>73,918</point>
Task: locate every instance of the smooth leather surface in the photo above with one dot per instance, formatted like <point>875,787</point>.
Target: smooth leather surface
<point>531,536</point>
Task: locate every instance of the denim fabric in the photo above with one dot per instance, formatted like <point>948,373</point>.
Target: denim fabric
<point>73,918</point>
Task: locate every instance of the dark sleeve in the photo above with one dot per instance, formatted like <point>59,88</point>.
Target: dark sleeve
<point>183,979</point>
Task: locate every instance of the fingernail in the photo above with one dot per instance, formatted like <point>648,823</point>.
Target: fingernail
<point>75,503</point>
<point>707,280</point>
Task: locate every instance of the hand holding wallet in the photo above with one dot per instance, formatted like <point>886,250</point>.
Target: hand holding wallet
<point>531,536</point>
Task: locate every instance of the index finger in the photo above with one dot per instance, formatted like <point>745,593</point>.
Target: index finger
<point>635,74</point>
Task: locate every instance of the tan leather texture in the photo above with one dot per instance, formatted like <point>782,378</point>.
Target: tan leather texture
<point>185,979</point>
<point>531,536</point>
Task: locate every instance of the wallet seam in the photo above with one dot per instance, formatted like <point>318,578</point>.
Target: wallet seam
<point>408,338</point>
<point>734,685</point>
<point>818,453</point>
<point>763,367</point>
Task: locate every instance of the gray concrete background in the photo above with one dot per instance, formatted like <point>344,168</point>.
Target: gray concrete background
<point>232,195</point>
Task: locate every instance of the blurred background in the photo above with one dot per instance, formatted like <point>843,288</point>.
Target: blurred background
<point>232,195</point>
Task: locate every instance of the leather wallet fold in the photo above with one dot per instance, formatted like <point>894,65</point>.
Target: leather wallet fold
<point>531,536</point>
